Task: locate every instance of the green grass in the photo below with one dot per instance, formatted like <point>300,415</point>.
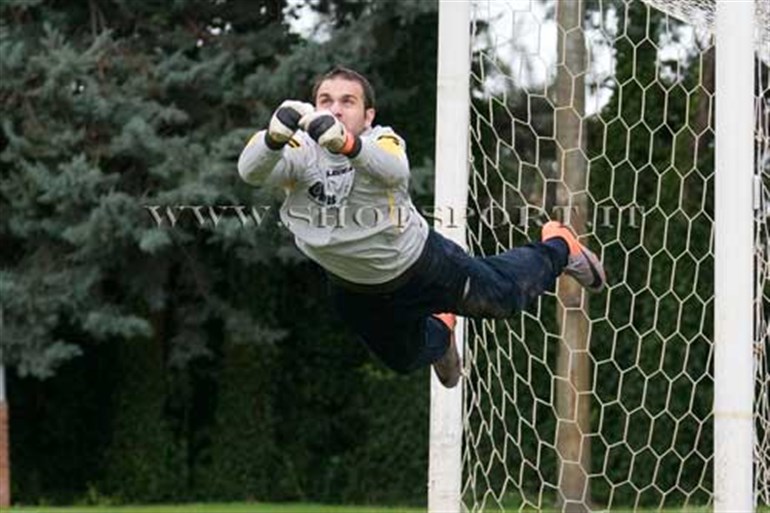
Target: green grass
<point>276,508</point>
<point>219,508</point>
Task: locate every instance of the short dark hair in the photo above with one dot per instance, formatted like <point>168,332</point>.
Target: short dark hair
<point>347,74</point>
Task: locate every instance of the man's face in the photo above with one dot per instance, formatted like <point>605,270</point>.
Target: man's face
<point>345,99</point>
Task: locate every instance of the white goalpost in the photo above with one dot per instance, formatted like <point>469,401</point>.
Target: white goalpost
<point>453,112</point>
<point>644,124</point>
<point>734,259</point>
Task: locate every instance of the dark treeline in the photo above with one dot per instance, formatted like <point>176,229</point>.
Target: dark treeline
<point>195,362</point>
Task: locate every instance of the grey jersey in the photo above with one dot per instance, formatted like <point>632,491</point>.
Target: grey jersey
<point>353,216</point>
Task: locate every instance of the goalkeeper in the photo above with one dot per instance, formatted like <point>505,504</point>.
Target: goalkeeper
<point>394,281</point>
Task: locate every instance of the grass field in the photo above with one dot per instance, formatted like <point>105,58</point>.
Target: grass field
<point>219,508</point>
<point>272,508</point>
<point>260,508</point>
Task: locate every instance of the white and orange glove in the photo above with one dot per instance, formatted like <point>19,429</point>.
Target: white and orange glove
<point>285,121</point>
<point>330,133</point>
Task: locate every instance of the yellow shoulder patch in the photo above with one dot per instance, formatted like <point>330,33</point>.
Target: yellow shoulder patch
<point>390,144</point>
<point>253,138</point>
<point>293,143</point>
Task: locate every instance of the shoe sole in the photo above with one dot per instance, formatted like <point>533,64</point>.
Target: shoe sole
<point>599,279</point>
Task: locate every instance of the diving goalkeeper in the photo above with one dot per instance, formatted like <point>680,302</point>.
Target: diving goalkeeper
<point>395,282</point>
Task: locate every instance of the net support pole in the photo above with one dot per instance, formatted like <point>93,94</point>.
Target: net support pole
<point>451,193</point>
<point>5,461</point>
<point>733,358</point>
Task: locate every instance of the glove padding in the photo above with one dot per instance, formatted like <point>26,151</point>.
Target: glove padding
<point>285,121</point>
<point>329,132</point>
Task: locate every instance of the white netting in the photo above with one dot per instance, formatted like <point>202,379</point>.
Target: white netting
<point>702,14</point>
<point>762,293</point>
<point>602,403</point>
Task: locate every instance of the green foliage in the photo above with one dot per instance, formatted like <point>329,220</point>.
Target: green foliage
<point>145,460</point>
<point>389,466</point>
<point>219,369</point>
<point>240,459</point>
<point>247,507</point>
<point>149,107</point>
<point>60,427</point>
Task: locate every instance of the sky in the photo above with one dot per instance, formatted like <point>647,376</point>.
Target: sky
<point>308,22</point>
<point>525,39</point>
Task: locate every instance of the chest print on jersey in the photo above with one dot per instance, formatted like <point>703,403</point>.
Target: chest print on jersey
<point>331,186</point>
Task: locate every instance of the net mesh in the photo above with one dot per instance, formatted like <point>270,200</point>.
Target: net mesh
<point>762,290</point>
<point>702,14</point>
<point>604,120</point>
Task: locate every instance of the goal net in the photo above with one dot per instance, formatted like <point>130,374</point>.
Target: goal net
<point>602,114</point>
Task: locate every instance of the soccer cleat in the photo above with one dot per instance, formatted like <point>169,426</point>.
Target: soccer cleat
<point>448,366</point>
<point>582,264</point>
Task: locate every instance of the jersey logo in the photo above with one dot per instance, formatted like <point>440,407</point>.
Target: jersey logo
<point>317,192</point>
<point>333,188</point>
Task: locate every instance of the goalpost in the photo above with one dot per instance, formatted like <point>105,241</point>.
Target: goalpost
<point>644,124</point>
<point>453,112</point>
<point>734,252</point>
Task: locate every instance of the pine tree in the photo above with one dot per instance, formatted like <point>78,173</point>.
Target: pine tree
<point>108,109</point>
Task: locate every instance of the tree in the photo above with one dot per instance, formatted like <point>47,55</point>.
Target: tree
<point>106,110</point>
<point>110,110</point>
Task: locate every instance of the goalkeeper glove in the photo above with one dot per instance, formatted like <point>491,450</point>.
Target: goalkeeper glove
<point>330,133</point>
<point>285,122</point>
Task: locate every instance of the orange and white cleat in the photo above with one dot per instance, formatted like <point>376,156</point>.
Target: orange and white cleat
<point>448,366</point>
<point>582,264</point>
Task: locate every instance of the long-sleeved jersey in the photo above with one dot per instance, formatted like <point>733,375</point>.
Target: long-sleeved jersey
<point>353,216</point>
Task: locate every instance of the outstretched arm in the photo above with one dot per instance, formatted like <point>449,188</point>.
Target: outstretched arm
<point>266,155</point>
<point>258,161</point>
